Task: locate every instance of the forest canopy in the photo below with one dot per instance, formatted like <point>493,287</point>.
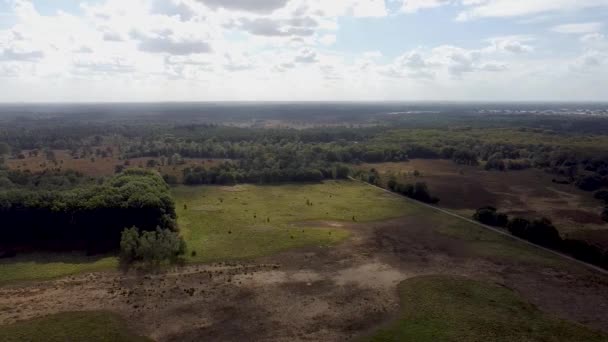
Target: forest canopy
<point>86,217</point>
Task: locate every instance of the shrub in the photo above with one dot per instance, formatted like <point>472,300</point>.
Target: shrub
<point>151,247</point>
<point>418,191</point>
<point>602,195</point>
<point>540,231</point>
<point>589,183</point>
<point>543,232</point>
<point>491,217</point>
<point>585,251</point>
<point>518,227</point>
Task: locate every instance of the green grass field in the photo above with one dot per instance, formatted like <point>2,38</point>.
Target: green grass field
<point>228,223</point>
<point>247,221</point>
<point>443,308</point>
<point>41,266</point>
<point>71,326</point>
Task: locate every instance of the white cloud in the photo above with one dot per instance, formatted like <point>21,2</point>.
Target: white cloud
<point>517,8</point>
<point>413,6</point>
<point>212,49</point>
<point>590,61</point>
<point>512,44</point>
<point>578,28</point>
<point>328,39</point>
<point>258,6</point>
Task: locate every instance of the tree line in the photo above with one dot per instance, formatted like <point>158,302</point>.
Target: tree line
<point>90,217</point>
<point>541,231</point>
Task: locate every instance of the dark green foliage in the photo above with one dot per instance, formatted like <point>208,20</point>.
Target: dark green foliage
<point>542,232</point>
<point>518,227</point>
<point>589,183</point>
<point>585,251</point>
<point>88,217</point>
<point>151,247</point>
<point>465,157</point>
<point>495,164</point>
<point>491,217</point>
<point>418,191</point>
<point>602,195</point>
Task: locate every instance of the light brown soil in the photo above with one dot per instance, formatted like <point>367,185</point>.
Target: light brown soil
<point>311,294</point>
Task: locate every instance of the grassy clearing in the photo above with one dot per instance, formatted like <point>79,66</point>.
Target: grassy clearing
<point>71,326</point>
<point>485,243</point>
<point>442,308</point>
<point>42,266</point>
<point>219,224</point>
<point>248,221</point>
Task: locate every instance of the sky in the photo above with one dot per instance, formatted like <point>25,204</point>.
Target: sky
<point>303,50</point>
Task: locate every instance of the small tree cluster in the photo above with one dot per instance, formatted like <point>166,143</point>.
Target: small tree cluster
<point>539,231</point>
<point>418,191</point>
<point>542,232</point>
<point>589,183</point>
<point>491,217</point>
<point>602,195</point>
<point>151,247</point>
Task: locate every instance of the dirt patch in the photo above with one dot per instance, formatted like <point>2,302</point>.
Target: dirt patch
<point>312,294</point>
<point>372,275</point>
<point>526,193</point>
<point>580,216</point>
<point>103,165</point>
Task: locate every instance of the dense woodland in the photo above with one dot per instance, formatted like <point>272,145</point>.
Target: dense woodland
<point>88,216</point>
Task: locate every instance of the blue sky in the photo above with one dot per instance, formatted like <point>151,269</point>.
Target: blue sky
<point>208,50</point>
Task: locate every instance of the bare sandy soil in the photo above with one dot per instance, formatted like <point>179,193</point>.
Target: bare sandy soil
<point>311,294</point>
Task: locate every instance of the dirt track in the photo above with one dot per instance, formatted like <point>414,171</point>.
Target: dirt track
<point>329,294</point>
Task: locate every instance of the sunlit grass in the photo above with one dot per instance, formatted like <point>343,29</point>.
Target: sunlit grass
<point>445,308</point>
<point>247,221</point>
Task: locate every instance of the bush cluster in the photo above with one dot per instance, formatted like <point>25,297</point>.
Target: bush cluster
<point>418,191</point>
<point>541,231</point>
<point>151,247</point>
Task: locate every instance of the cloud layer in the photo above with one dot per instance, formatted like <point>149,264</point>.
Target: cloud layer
<point>143,50</point>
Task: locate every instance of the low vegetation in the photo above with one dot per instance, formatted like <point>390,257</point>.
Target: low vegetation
<point>444,308</point>
<point>71,326</point>
<point>220,223</point>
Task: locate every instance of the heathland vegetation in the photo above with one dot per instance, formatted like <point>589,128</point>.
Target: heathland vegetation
<point>268,227</point>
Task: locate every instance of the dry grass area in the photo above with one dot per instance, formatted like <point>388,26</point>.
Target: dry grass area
<point>99,167</point>
<point>527,193</point>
